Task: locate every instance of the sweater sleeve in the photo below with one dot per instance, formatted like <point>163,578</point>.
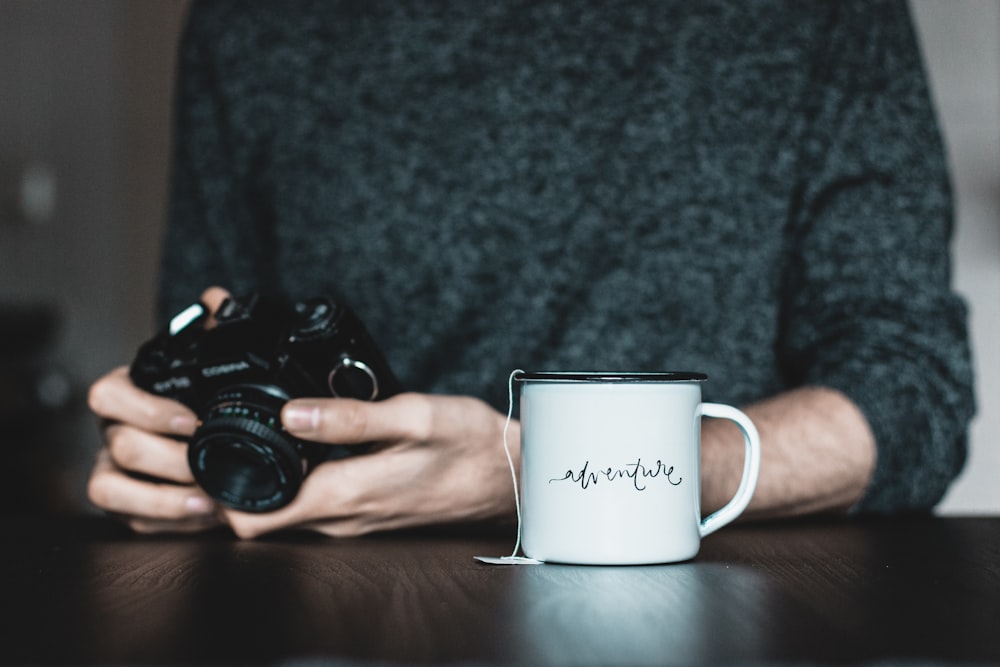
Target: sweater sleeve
<point>868,307</point>
<point>215,234</point>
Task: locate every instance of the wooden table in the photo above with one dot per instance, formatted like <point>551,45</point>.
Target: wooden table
<point>82,590</point>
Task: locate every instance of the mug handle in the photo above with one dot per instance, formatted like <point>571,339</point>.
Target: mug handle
<point>751,466</point>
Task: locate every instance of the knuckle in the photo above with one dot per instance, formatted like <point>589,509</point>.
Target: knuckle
<point>100,394</point>
<point>96,399</point>
<point>122,448</point>
<point>419,424</point>
<point>105,491</point>
<point>98,491</point>
<point>352,419</point>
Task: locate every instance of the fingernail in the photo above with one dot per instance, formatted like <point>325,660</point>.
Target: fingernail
<point>300,418</point>
<point>198,505</point>
<point>183,424</point>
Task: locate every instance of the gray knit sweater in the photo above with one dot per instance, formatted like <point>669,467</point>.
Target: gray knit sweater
<point>754,190</point>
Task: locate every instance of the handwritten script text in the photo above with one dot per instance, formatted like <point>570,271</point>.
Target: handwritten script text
<point>638,473</point>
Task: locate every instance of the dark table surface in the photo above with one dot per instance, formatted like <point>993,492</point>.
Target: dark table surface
<point>82,590</point>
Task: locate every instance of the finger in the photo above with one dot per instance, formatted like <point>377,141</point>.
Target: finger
<point>213,298</point>
<point>350,421</point>
<point>140,451</point>
<point>114,491</point>
<point>115,397</point>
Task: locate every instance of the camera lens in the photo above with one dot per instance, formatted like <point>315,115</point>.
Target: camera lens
<point>240,455</point>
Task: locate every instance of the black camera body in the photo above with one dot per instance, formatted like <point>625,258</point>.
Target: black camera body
<point>236,374</point>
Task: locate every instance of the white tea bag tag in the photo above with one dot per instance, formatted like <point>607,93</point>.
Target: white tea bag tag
<point>508,560</point>
<point>512,559</point>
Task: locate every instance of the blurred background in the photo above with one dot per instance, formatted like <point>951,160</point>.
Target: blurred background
<point>85,106</point>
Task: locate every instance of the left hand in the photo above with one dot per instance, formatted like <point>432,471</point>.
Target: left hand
<point>438,459</point>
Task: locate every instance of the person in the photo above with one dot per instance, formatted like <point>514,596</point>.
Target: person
<point>753,190</point>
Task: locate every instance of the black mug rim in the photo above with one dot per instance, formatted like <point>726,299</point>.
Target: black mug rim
<point>607,376</point>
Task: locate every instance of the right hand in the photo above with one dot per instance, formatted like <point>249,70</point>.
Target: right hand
<point>141,473</point>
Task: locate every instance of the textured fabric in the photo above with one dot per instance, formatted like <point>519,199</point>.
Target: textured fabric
<point>754,190</point>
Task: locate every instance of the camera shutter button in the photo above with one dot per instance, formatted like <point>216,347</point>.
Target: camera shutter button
<point>315,317</point>
<point>352,378</point>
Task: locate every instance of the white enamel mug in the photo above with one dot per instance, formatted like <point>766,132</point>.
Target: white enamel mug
<point>610,467</point>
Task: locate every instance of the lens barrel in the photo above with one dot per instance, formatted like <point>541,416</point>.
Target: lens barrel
<point>241,456</point>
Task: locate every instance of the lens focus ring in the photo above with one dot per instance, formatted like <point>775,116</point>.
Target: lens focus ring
<point>245,464</point>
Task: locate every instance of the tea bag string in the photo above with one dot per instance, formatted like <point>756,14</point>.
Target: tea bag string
<point>513,558</point>
<point>510,459</point>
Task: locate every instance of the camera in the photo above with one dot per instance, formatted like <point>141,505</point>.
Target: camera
<point>236,368</point>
